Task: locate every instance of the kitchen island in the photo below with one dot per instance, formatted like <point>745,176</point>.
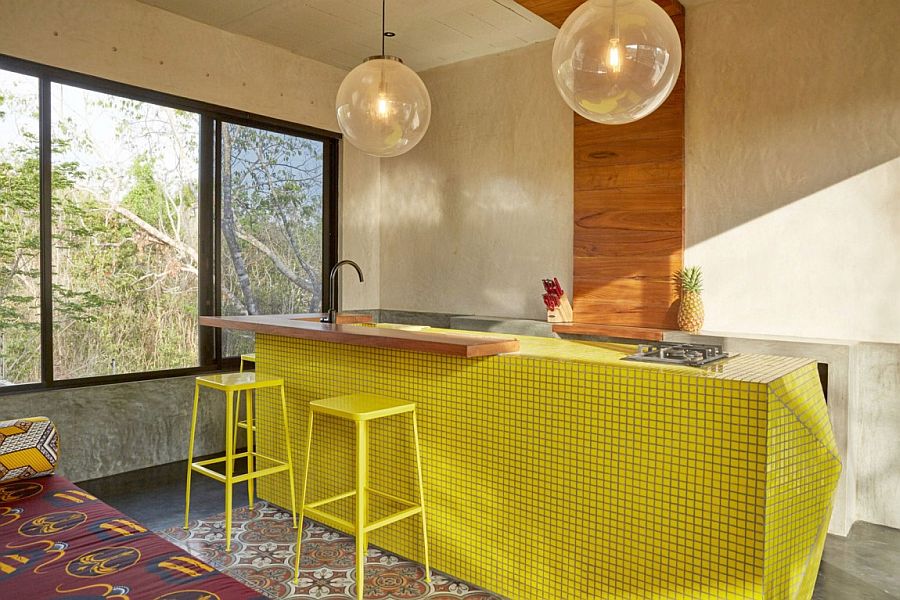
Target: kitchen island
<point>559,471</point>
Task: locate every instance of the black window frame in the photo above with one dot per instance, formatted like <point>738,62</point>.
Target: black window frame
<point>209,266</point>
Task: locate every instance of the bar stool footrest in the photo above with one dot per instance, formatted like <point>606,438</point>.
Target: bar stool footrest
<point>328,519</point>
<point>200,467</point>
<point>313,510</point>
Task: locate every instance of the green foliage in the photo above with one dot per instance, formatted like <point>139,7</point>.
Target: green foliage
<point>81,306</point>
<point>146,197</point>
<point>19,260</point>
<point>690,279</point>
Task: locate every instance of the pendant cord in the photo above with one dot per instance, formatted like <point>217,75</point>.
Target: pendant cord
<point>383,4</point>
<point>614,27</point>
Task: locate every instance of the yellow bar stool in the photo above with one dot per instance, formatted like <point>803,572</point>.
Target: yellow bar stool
<point>360,409</point>
<point>233,384</point>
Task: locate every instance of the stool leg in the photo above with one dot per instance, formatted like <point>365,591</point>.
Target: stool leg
<point>249,397</point>
<point>187,489</point>
<point>290,459</point>
<point>237,417</point>
<point>362,475</point>
<point>229,465</point>
<point>309,434</point>
<point>415,422</point>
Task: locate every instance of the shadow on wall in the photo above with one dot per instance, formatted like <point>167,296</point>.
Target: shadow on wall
<point>784,100</point>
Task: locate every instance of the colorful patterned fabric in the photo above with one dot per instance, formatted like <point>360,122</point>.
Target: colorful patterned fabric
<point>58,541</point>
<point>28,448</point>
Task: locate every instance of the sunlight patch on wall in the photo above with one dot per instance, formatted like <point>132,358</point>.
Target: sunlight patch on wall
<point>824,266</point>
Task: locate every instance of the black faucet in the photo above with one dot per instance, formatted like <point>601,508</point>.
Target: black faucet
<point>332,313</point>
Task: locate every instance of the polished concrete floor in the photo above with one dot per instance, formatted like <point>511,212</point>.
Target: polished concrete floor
<point>155,496</point>
<point>863,566</point>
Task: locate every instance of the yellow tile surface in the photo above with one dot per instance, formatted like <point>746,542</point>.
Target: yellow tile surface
<point>560,472</point>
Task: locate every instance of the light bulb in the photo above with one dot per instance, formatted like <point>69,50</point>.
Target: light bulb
<point>614,57</point>
<point>382,108</point>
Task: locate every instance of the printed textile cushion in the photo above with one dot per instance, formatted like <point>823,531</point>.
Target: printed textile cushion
<point>28,448</point>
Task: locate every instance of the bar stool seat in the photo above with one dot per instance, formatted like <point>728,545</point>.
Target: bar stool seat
<point>360,409</point>
<point>233,384</point>
<point>239,381</point>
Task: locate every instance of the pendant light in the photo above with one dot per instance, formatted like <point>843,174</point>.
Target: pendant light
<point>383,107</point>
<point>616,61</point>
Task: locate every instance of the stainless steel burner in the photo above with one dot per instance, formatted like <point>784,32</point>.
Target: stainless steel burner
<point>693,355</point>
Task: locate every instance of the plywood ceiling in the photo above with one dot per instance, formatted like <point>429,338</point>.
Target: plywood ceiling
<point>344,32</point>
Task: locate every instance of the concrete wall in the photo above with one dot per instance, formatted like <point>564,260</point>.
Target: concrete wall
<point>133,43</point>
<point>876,433</point>
<point>476,214</point>
<point>110,429</point>
<point>792,169</point>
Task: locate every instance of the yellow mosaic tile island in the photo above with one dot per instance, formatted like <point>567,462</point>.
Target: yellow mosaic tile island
<point>560,472</point>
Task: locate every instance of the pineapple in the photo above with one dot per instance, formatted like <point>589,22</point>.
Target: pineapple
<point>690,310</point>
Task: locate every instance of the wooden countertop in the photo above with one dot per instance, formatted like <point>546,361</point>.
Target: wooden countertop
<point>306,326</point>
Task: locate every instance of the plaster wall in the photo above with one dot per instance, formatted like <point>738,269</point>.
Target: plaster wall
<point>793,166</point>
<point>476,214</point>
<point>133,43</point>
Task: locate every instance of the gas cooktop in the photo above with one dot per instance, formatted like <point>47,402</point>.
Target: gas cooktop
<point>692,355</point>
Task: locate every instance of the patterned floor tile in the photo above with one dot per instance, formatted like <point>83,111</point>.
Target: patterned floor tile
<point>262,557</point>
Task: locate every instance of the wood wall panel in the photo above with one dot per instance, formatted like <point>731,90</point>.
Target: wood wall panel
<point>604,177</point>
<point>629,205</point>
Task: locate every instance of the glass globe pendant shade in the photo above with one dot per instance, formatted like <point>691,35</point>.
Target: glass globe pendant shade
<point>616,61</point>
<point>383,107</point>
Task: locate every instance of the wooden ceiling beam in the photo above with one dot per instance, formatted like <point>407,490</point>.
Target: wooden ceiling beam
<point>556,11</point>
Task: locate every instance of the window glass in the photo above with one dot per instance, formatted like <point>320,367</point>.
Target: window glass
<point>271,234</point>
<point>125,285</point>
<point>20,313</point>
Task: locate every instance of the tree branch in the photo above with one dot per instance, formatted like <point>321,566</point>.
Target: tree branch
<point>276,260</point>
<point>157,234</point>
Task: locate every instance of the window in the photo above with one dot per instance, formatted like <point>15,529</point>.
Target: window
<point>271,246</point>
<point>125,214</point>
<point>125,184</point>
<point>20,310</point>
